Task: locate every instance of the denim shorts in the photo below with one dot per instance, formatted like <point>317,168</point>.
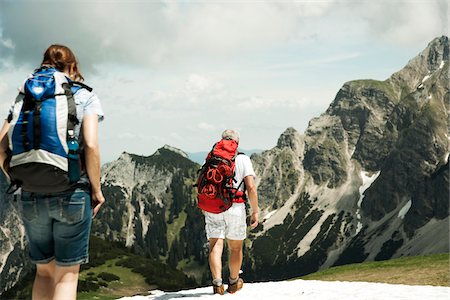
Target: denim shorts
<point>57,226</point>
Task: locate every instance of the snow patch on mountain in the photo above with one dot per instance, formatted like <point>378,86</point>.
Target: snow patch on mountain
<point>269,214</point>
<point>305,244</point>
<point>426,78</point>
<point>404,210</point>
<point>6,248</point>
<point>145,219</point>
<point>280,214</point>
<point>367,181</point>
<point>310,289</point>
<point>129,239</point>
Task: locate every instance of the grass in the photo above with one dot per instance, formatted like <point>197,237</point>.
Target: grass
<point>192,268</point>
<point>130,283</point>
<point>384,86</point>
<point>174,228</point>
<point>417,270</point>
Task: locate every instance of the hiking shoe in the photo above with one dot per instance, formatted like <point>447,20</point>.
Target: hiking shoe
<point>233,288</point>
<point>219,289</point>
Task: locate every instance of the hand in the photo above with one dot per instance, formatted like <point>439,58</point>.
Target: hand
<point>254,220</point>
<point>97,201</point>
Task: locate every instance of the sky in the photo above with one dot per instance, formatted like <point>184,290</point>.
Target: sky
<point>180,72</point>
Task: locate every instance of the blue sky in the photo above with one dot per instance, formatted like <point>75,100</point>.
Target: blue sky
<point>179,72</point>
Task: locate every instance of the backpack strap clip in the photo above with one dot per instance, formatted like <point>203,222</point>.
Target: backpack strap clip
<point>14,186</point>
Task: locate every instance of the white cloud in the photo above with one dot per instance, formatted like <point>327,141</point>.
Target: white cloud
<point>175,136</point>
<point>314,9</point>
<point>148,33</point>
<point>11,78</point>
<point>204,94</point>
<point>206,126</point>
<point>197,84</point>
<point>315,62</point>
<point>268,103</point>
<point>3,88</point>
<point>405,22</point>
<point>8,43</point>
<point>175,72</point>
<point>126,135</point>
<point>162,33</point>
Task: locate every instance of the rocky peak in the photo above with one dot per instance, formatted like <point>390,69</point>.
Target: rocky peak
<point>290,138</point>
<point>437,53</point>
<point>431,59</point>
<point>125,156</point>
<point>173,149</point>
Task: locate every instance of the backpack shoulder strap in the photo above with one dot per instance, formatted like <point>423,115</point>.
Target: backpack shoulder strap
<point>242,181</point>
<point>72,119</point>
<point>81,85</point>
<point>237,153</point>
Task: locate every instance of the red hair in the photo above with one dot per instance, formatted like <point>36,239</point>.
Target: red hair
<point>63,59</point>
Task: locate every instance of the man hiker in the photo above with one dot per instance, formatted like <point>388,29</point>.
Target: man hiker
<point>225,181</point>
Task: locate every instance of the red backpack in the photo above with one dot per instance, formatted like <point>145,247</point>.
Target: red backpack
<point>215,180</point>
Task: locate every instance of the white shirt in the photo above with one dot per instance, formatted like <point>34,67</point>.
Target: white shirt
<point>243,168</point>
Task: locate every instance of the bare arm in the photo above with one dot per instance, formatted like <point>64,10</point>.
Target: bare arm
<point>92,154</point>
<point>253,199</point>
<point>4,144</point>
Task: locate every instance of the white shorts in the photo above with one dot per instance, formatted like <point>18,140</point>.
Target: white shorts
<point>230,224</point>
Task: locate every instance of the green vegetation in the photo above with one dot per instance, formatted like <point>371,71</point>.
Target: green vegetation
<point>110,281</point>
<point>165,159</point>
<point>175,227</point>
<point>193,268</point>
<point>417,270</point>
<point>114,271</point>
<point>384,86</point>
<point>158,274</point>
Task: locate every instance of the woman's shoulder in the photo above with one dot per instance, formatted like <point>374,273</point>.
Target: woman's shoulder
<point>82,94</point>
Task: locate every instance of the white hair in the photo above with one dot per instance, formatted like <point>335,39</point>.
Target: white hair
<point>231,134</point>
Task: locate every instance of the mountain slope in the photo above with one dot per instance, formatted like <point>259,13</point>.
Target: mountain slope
<point>152,208</point>
<point>368,180</point>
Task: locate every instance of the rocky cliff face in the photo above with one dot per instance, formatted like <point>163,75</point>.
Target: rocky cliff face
<point>14,262</point>
<point>151,207</point>
<point>367,181</point>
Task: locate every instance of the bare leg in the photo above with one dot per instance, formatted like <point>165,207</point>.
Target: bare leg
<point>55,282</point>
<point>235,259</point>
<point>66,281</point>
<point>215,257</point>
<point>43,287</point>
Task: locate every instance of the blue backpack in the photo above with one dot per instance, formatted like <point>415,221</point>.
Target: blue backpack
<point>44,149</point>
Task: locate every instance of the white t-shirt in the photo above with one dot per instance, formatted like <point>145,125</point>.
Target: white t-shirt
<point>243,168</point>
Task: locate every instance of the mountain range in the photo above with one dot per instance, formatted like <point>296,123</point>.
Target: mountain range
<point>199,157</point>
<point>367,180</point>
